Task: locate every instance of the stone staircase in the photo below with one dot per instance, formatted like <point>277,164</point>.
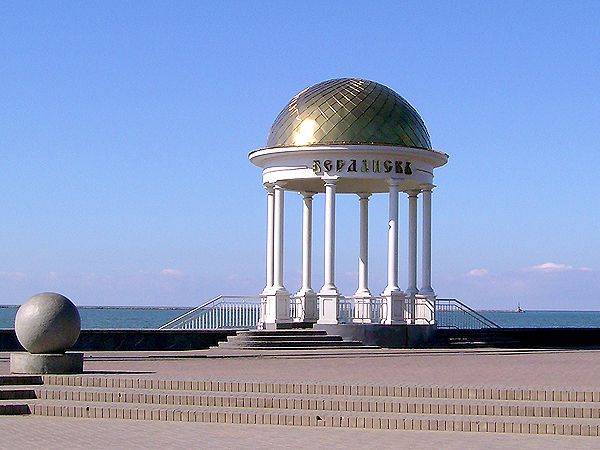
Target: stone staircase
<point>16,391</point>
<point>500,410</point>
<point>293,339</point>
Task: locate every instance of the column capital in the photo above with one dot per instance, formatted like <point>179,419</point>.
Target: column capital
<point>307,194</point>
<point>364,195</point>
<point>413,192</point>
<point>393,182</point>
<point>329,180</point>
<point>269,187</point>
<point>428,187</point>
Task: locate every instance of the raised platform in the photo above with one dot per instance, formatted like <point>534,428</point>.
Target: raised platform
<point>388,336</point>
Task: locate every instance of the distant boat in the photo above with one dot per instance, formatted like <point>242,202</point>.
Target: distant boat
<point>519,309</point>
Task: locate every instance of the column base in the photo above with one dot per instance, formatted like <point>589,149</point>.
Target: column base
<point>276,308</point>
<point>395,307</point>
<point>329,307</point>
<point>362,307</point>
<point>307,303</point>
<point>424,309</point>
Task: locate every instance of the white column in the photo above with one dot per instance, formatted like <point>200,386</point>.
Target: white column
<point>307,241</point>
<point>305,301</point>
<point>278,239</point>
<point>392,276</point>
<point>426,288</point>
<point>412,242</point>
<point>329,285</point>
<point>270,223</point>
<point>275,304</point>
<point>363,260</point>
<point>394,311</point>
<point>329,296</point>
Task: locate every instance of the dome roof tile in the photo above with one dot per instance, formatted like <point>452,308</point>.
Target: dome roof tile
<point>348,111</point>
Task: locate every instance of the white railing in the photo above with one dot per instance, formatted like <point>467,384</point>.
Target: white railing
<point>296,308</point>
<point>224,311</point>
<point>419,310</point>
<point>245,311</point>
<point>362,310</point>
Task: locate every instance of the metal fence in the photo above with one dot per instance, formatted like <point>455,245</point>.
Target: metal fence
<point>452,313</point>
<point>244,311</point>
<point>224,311</point>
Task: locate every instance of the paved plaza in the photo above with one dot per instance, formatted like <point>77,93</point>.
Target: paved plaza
<point>496,368</point>
<point>68,433</point>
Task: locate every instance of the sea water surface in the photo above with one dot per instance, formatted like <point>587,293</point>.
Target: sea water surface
<point>119,317</point>
<point>107,317</point>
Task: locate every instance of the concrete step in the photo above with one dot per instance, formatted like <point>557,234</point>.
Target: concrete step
<point>282,338</point>
<point>412,391</point>
<point>527,425</point>
<point>11,380</point>
<point>292,338</point>
<point>290,332</point>
<point>296,343</point>
<point>16,393</point>
<point>316,402</point>
<point>13,408</point>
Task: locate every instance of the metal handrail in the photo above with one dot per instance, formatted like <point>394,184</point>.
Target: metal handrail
<point>221,320</point>
<point>362,309</point>
<point>244,311</point>
<point>452,305</point>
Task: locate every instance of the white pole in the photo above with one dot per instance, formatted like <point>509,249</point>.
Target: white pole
<point>412,242</point>
<point>330,188</point>
<point>270,236</point>
<point>392,284</point>
<point>278,238</point>
<point>307,241</point>
<point>363,260</point>
<point>426,288</point>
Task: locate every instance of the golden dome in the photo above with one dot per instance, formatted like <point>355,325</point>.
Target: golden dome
<point>348,111</point>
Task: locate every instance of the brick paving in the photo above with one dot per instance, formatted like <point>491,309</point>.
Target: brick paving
<point>499,368</point>
<point>496,368</point>
<point>67,433</point>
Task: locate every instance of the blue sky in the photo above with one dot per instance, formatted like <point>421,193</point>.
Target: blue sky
<point>125,129</point>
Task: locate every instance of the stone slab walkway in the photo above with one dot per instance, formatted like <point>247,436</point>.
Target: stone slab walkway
<point>497,368</point>
<point>21,433</point>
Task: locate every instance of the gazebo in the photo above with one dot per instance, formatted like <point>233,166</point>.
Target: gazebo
<point>359,137</point>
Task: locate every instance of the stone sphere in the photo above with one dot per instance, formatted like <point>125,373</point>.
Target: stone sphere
<point>47,323</point>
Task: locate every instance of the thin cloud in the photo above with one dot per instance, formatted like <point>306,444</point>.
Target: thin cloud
<point>172,273</point>
<point>549,267</point>
<point>12,276</point>
<point>477,273</point>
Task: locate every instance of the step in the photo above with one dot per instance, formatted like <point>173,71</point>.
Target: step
<point>290,332</point>
<point>257,338</point>
<point>314,402</point>
<point>289,343</point>
<point>413,391</point>
<point>13,408</point>
<point>585,427</point>
<point>11,380</point>
<point>16,393</point>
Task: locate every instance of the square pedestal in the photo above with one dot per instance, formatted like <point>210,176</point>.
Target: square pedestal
<point>277,310</point>
<point>51,363</point>
<point>328,308</point>
<point>395,305</point>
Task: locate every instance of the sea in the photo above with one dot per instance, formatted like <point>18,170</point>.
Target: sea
<point>110,317</point>
<point>136,317</point>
